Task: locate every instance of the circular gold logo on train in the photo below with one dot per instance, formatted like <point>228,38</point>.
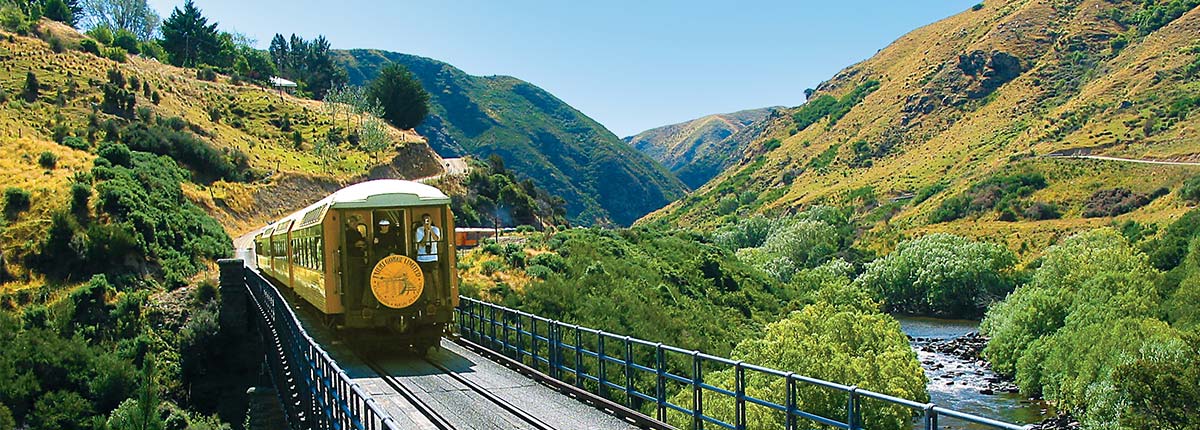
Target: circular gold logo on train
<point>397,281</point>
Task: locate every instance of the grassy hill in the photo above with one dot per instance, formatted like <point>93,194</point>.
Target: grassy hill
<point>539,137</point>
<point>949,128</point>
<point>699,149</point>
<point>235,139</point>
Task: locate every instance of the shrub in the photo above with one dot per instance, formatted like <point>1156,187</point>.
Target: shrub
<point>16,200</point>
<point>1190,190</point>
<point>551,261</point>
<point>89,46</point>
<point>1113,202</point>
<point>977,6</point>
<point>116,54</point>
<point>941,274</point>
<point>126,40</point>
<point>102,34</point>
<point>48,160</point>
<point>1039,211</point>
<point>56,45</point>
<point>206,74</point>
<point>490,267</point>
<point>538,272</point>
<point>32,88</point>
<point>80,194</point>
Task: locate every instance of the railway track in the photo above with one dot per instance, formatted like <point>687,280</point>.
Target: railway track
<point>496,407</point>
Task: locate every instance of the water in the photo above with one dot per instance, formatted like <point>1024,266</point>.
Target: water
<point>955,383</point>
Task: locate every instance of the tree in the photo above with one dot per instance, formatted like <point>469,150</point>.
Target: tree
<point>135,16</point>
<point>65,11</point>
<point>375,138</point>
<point>188,38</point>
<point>32,88</point>
<point>405,103</point>
<point>279,53</point>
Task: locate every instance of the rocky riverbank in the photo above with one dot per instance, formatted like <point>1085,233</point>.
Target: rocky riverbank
<point>967,365</point>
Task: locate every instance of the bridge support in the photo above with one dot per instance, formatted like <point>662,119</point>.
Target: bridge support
<point>233,316</point>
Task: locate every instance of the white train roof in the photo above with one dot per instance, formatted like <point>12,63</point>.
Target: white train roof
<point>369,194</point>
<point>386,192</point>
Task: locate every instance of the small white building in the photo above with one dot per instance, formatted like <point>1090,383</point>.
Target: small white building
<point>282,84</point>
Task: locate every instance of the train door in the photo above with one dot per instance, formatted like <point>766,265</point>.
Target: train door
<point>430,232</point>
<point>353,246</point>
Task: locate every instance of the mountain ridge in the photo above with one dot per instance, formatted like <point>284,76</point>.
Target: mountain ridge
<point>539,137</point>
<point>917,138</point>
<point>698,149</point>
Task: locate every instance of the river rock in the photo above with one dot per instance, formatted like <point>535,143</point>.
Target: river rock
<point>1062,421</point>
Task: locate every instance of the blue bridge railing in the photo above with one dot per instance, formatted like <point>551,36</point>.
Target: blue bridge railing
<point>315,393</point>
<point>646,375</point>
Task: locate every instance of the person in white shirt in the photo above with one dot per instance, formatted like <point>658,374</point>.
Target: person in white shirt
<point>428,236</point>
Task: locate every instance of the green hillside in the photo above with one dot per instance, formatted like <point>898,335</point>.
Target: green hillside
<point>955,127</point>
<point>538,135</point>
<point>700,149</point>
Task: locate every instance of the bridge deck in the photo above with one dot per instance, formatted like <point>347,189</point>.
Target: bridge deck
<point>450,398</point>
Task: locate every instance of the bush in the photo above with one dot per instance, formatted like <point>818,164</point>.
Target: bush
<point>89,46</point>
<point>126,40</point>
<point>551,261</point>
<point>490,267</point>
<point>102,34</point>
<point>56,45</point>
<point>1190,190</point>
<point>538,271</point>
<point>977,6</point>
<point>74,142</point>
<point>48,160</point>
<point>32,88</point>
<point>1113,202</point>
<point>16,200</point>
<point>206,74</point>
<point>116,54</point>
<point>1039,211</point>
<point>941,275</point>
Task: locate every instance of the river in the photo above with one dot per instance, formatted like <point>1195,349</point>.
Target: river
<point>957,384</point>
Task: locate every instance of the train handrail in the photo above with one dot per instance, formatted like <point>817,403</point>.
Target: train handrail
<point>314,391</point>
<point>560,351</point>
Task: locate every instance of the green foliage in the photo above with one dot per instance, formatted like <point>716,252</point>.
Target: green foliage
<point>977,6</point>
<point>102,34</point>
<point>1156,14</point>
<point>496,197</point>
<point>308,63</point>
<point>31,89</point>
<point>48,160</point>
<point>749,232</point>
<point>788,244</point>
<point>941,275</point>
<point>116,54</point>
<point>16,200</point>
<point>206,74</point>
<point>847,342</point>
<point>188,38</point>
<point>60,410</point>
<point>1190,190</point>
<point>164,138</point>
<point>813,110</point>
<point>1000,193</point>
<point>126,40</point>
<point>405,102</point>
<point>825,158</point>
<point>1086,330</point>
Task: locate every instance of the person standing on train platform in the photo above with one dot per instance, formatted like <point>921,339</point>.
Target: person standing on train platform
<point>427,238</point>
<point>387,240</point>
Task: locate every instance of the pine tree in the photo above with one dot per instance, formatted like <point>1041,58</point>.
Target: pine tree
<point>64,11</point>
<point>188,38</point>
<point>405,103</point>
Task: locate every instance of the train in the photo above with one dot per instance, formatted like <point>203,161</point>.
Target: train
<point>377,257</point>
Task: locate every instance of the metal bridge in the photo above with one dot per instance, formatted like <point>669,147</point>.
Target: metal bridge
<point>511,369</point>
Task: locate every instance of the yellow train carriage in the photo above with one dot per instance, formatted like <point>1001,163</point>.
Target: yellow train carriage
<point>378,254</point>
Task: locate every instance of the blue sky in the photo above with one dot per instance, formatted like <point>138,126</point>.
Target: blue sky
<point>631,65</point>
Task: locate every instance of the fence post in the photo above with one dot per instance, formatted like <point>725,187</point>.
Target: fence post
<point>578,358</point>
<point>520,351</point>
<point>660,389</point>
<point>533,342</point>
<point>697,393</point>
<point>739,406</point>
<point>602,390</point>
<point>931,418</point>
<point>791,401</point>
<point>628,372</point>
<point>852,409</point>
